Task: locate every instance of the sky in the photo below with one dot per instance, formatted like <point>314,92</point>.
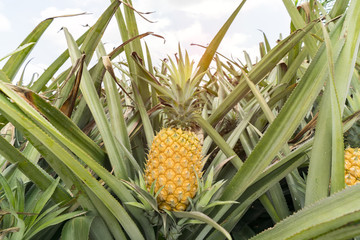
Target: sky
<point>178,21</point>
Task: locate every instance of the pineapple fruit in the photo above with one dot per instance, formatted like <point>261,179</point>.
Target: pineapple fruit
<point>174,161</point>
<point>352,166</point>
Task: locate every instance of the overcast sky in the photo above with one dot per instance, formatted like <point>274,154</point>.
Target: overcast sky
<point>178,21</point>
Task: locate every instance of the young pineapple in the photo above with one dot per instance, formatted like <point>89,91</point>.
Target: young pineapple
<point>352,166</point>
<point>174,161</point>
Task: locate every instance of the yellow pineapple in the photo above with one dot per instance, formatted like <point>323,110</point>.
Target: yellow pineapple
<point>174,161</point>
<point>352,166</point>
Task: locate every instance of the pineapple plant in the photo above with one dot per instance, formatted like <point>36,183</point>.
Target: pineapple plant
<point>97,149</point>
<point>174,161</point>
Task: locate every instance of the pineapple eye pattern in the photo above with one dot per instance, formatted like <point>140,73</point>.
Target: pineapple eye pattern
<point>173,158</point>
<point>352,166</point>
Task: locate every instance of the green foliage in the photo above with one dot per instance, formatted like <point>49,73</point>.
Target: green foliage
<point>73,142</point>
<point>24,215</point>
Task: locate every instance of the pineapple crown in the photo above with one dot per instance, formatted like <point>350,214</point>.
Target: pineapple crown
<point>178,90</point>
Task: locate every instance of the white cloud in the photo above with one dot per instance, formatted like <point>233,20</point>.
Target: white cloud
<point>233,44</point>
<point>210,9</point>
<point>5,24</point>
<point>213,9</point>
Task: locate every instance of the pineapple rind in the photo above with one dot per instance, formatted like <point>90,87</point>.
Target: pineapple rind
<point>352,166</point>
<point>174,162</point>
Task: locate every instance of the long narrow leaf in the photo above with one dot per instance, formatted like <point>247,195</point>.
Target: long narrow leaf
<point>266,180</point>
<point>51,222</point>
<point>90,95</point>
<point>217,138</point>
<point>66,126</point>
<point>109,220</point>
<point>210,51</point>
<point>77,228</point>
<point>283,126</point>
<point>33,172</point>
<point>279,131</point>
<point>299,23</point>
<point>115,106</point>
<point>44,198</point>
<point>96,32</point>
<point>7,192</point>
<point>149,133</point>
<point>202,217</point>
<point>112,181</point>
<point>80,172</point>
<point>14,63</point>
<point>337,141</point>
<point>259,71</point>
<point>319,213</point>
<point>316,188</point>
<point>54,67</point>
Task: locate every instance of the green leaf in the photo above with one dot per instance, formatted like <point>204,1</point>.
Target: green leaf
<point>149,132</point>
<point>204,218</point>
<point>260,99</point>
<point>99,230</point>
<point>299,23</point>
<point>219,203</point>
<point>20,225</point>
<point>323,153</point>
<point>220,142</point>
<point>150,200</point>
<point>20,120</point>
<point>8,192</point>
<point>42,201</point>
<point>14,63</point>
<point>263,183</point>
<point>92,99</point>
<point>129,155</point>
<point>234,137</point>
<point>260,70</point>
<point>322,215</point>
<point>281,129</point>
<point>267,179</point>
<point>50,145</point>
<point>77,228</point>
<point>345,232</point>
<point>136,204</point>
<point>128,29</point>
<point>109,222</point>
<point>337,141</point>
<point>210,51</point>
<point>116,110</point>
<point>40,83</point>
<point>41,225</point>
<point>19,49</point>
<point>339,7</point>
<point>96,32</point>
<point>4,77</point>
<point>20,197</point>
<point>67,127</point>
<point>343,224</point>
